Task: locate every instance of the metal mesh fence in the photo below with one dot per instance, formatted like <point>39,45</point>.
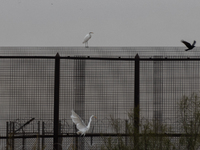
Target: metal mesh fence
<point>108,52</point>
<point>163,84</point>
<point>103,87</point>
<point>31,89</point>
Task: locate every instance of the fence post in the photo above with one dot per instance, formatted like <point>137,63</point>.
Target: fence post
<point>126,131</point>
<point>136,101</point>
<point>38,141</point>
<point>13,134</point>
<point>43,133</point>
<point>56,101</point>
<point>7,135</point>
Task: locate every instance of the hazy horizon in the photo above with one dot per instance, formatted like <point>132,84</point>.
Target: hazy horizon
<point>114,23</point>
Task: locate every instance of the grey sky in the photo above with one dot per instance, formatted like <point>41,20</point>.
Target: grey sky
<point>114,22</point>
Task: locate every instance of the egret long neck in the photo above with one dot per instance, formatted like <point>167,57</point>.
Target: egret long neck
<point>88,126</point>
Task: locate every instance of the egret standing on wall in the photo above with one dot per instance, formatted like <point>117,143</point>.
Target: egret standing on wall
<point>80,125</point>
<point>86,38</point>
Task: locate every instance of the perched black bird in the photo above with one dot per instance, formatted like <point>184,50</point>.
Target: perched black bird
<point>189,46</point>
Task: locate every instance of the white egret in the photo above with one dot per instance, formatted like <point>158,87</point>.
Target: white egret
<point>80,125</point>
<point>86,38</point>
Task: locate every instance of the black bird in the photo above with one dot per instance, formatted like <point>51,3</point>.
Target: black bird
<point>189,46</point>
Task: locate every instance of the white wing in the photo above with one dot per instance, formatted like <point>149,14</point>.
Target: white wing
<point>86,38</point>
<point>78,121</point>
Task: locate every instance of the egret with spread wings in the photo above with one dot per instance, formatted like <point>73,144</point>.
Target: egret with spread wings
<point>80,125</point>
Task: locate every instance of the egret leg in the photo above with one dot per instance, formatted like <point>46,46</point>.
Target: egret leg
<point>86,44</point>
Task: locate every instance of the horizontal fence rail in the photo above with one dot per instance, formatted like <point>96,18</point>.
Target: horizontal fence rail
<point>96,135</point>
<point>158,58</point>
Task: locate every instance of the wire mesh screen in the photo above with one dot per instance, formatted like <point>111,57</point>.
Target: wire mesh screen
<point>31,89</point>
<point>4,94</point>
<point>95,87</point>
<point>163,84</point>
<point>27,92</point>
<point>103,87</point>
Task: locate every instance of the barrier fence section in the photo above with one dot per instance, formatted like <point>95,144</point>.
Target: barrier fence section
<point>38,93</point>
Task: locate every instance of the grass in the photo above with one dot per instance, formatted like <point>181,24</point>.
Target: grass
<point>189,108</point>
<point>148,139</point>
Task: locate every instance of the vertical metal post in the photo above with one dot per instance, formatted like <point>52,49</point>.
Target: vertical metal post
<point>56,101</point>
<point>7,135</point>
<point>38,139</point>
<point>23,140</point>
<point>136,101</point>
<point>126,130</point>
<point>43,133</point>
<point>13,132</point>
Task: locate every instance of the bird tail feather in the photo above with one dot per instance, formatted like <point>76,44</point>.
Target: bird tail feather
<point>79,132</point>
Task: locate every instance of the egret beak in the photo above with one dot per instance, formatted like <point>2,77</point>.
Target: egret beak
<point>92,32</point>
<point>95,117</point>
